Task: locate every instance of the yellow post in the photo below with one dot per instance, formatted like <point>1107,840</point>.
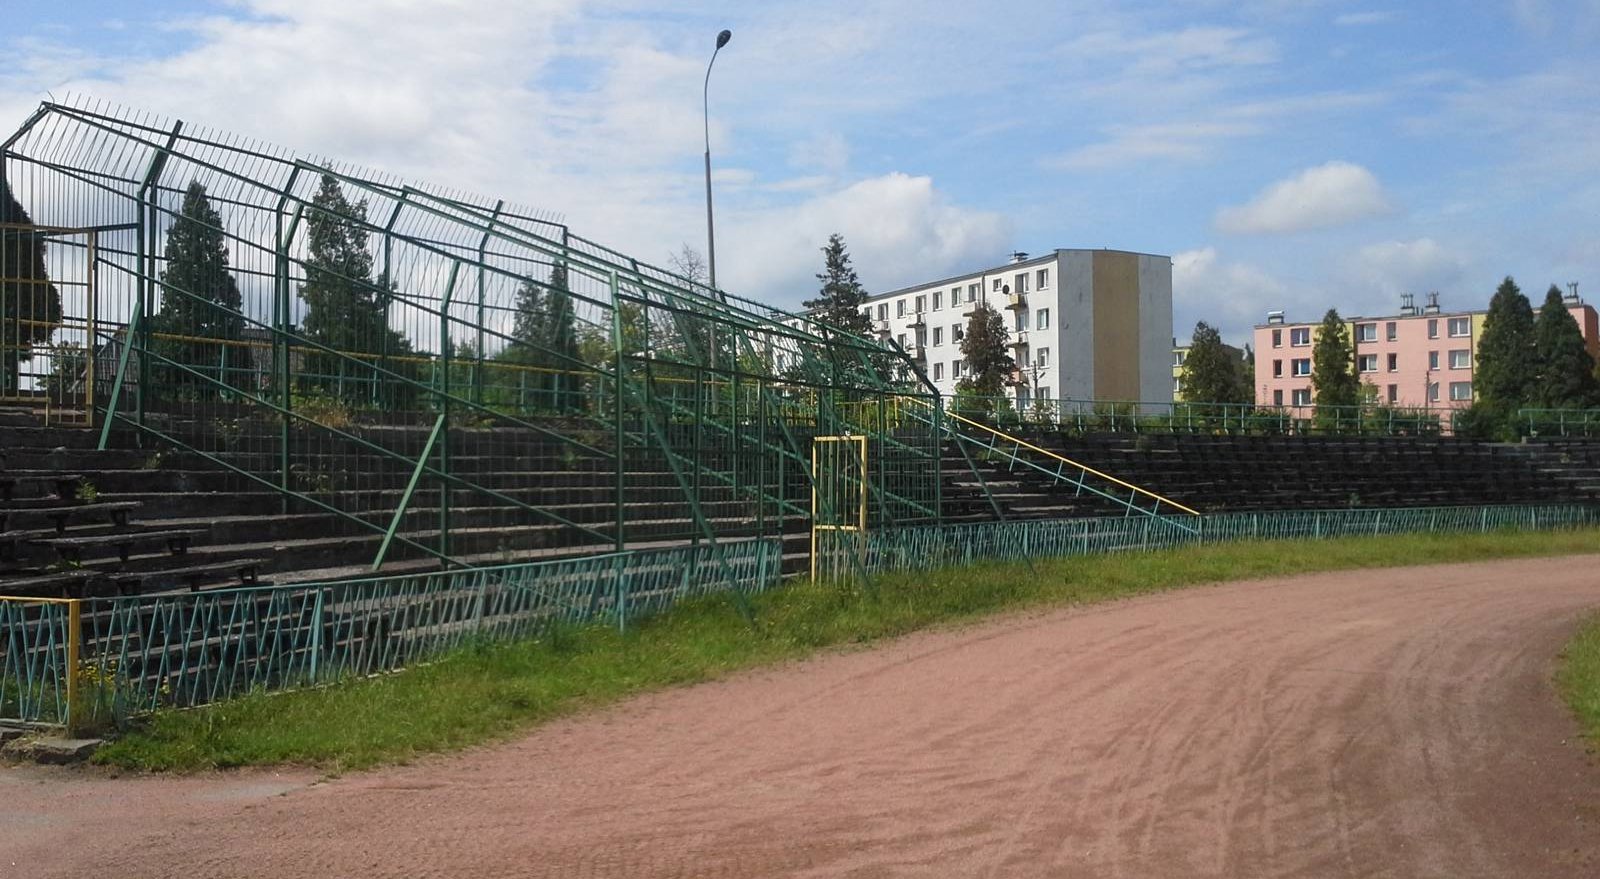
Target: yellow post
<point>813,509</point>
<point>74,648</point>
<point>861,533</point>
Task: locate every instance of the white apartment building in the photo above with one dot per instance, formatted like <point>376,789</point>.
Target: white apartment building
<point>1084,324</point>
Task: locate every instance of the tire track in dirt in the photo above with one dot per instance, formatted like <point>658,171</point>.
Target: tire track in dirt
<point>1375,723</point>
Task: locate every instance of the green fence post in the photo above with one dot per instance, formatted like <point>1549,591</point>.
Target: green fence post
<point>316,636</point>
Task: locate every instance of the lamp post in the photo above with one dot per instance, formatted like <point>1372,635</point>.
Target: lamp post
<point>705,97</point>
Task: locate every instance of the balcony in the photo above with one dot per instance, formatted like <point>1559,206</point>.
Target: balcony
<point>1016,301</point>
<point>919,319</point>
<point>917,352</point>
<point>881,327</point>
<point>1019,339</point>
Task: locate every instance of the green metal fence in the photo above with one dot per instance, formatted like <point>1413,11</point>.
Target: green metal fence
<point>420,366</point>
<point>135,654</point>
<point>929,547</point>
<point>1128,416</point>
<point>1559,422</point>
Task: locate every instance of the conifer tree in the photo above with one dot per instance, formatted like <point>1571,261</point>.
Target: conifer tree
<point>30,306</point>
<point>1507,373</point>
<point>200,300</point>
<point>988,361</point>
<point>1566,371</point>
<point>1212,373</point>
<point>841,298</point>
<point>1333,370</point>
<point>347,310</point>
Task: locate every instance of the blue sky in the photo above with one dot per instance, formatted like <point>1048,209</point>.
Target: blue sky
<point>1288,154</point>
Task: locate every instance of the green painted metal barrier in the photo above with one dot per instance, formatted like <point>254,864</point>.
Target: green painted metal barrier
<point>137,654</point>
<point>937,546</point>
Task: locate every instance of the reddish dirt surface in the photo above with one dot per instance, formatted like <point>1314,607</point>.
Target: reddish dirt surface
<point>1378,723</point>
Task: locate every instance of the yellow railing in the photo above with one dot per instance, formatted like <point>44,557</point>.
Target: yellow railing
<point>1022,443</point>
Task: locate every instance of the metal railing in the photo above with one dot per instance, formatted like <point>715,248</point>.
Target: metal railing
<point>934,546</point>
<point>1130,416</point>
<point>1559,422</point>
<point>66,660</point>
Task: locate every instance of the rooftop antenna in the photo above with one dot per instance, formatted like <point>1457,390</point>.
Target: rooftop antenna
<point>1572,291</point>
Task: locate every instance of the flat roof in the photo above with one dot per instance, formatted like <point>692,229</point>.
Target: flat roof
<point>1048,256</point>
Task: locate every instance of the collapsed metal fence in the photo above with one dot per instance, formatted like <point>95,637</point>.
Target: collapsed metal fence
<point>937,546</point>
<point>69,660</point>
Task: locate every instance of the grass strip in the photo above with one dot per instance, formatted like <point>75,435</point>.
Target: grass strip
<point>1579,677</point>
<point>491,691</point>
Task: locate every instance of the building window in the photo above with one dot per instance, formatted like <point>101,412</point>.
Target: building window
<point>1366,332</point>
<point>1460,358</point>
<point>1368,362</point>
<point>1177,386</point>
<point>902,340</point>
<point>1433,359</point>
<point>1461,390</point>
<point>883,311</point>
<point>1433,329</point>
<point>900,308</point>
<point>1277,338</point>
<point>1041,279</point>
<point>1394,393</point>
<point>1302,397</point>
<point>1433,392</point>
<point>955,368</point>
<point>938,298</point>
<point>956,333</point>
<point>997,285</point>
<point>1394,362</point>
<point>1300,336</point>
<point>1041,319</point>
<point>922,336</point>
<point>1277,369</point>
<point>955,295</point>
<point>1178,357</point>
<point>1044,393</point>
<point>1302,366</point>
<point>1460,326</point>
<point>1043,357</point>
<point>922,304</point>
<point>1390,331</point>
<point>938,335</point>
<point>972,292</point>
<point>1021,282</point>
<point>1277,397</point>
<point>938,371</point>
<point>1022,320</point>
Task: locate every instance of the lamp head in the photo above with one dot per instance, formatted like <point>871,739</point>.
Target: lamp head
<point>723,38</point>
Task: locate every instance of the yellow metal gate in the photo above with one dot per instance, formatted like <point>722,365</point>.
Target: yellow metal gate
<point>838,505</point>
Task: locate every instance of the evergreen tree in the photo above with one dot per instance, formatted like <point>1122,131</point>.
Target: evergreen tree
<point>839,302</point>
<point>1212,372</point>
<point>30,306</point>
<point>347,310</point>
<point>199,300</point>
<point>989,362</point>
<point>1507,376</point>
<point>1566,371</point>
<point>545,338</point>
<point>1333,369</point>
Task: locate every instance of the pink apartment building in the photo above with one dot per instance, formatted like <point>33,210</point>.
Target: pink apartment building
<point>1419,357</point>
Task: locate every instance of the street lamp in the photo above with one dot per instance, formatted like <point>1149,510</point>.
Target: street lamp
<point>705,97</point>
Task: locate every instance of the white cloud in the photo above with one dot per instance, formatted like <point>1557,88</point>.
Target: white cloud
<point>1361,19</point>
<point>1231,296</point>
<point>1174,141</point>
<point>1387,269</point>
<point>899,228</point>
<point>1333,194</point>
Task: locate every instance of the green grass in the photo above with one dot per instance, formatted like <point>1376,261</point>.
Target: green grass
<point>489,692</point>
<point>1579,677</point>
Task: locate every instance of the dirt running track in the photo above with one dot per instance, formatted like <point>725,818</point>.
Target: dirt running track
<point>1381,723</point>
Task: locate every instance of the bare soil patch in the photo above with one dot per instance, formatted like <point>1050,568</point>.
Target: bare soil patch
<point>1367,723</point>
